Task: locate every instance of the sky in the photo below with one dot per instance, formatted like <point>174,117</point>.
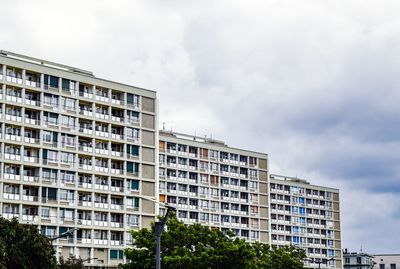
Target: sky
<point>313,83</point>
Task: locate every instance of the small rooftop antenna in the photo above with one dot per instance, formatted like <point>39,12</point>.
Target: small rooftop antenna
<point>164,123</point>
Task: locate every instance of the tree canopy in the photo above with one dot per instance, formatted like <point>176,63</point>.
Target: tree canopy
<point>198,246</point>
<point>22,246</point>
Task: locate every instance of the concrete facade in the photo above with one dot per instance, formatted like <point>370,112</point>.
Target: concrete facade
<point>354,260</point>
<point>386,261</point>
<point>76,152</point>
<point>215,185</point>
<point>306,216</point>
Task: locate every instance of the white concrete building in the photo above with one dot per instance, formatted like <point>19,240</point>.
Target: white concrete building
<point>76,151</point>
<point>306,216</point>
<point>216,185</point>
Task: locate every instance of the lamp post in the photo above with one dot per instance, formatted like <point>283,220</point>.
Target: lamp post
<point>159,228</point>
<point>64,234</point>
<point>87,260</point>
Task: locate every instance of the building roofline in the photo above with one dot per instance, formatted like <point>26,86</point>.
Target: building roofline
<point>203,140</point>
<point>62,67</point>
<point>299,181</point>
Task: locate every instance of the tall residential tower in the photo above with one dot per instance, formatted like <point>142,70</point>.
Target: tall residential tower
<point>76,151</point>
<point>306,216</point>
<point>215,185</point>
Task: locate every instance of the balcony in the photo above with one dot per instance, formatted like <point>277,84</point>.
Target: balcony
<point>32,139</point>
<point>101,187</point>
<point>8,215</point>
<point>117,171</point>
<point>30,218</point>
<point>101,151</point>
<point>11,196</point>
<point>85,203</point>
<point>32,121</point>
<point>116,224</point>
<point>30,198</point>
<point>14,77</point>
<point>87,222</point>
<point>12,176</point>
<point>102,97</point>
<point>12,157</point>
<point>100,205</point>
<point>85,166</point>
<point>84,240</point>
<point>101,169</point>
<point>102,134</point>
<point>116,206</point>
<point>14,98</point>
<point>86,185</point>
<point>87,131</point>
<point>32,102</point>
<point>103,223</point>
<point>117,153</point>
<point>31,159</point>
<point>102,116</point>
<point>13,117</point>
<point>100,241</point>
<point>13,137</point>
<point>87,113</point>
<point>116,242</point>
<point>32,83</point>
<point>31,179</point>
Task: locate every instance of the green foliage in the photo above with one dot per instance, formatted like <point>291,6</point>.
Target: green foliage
<point>197,246</point>
<point>71,263</point>
<point>21,246</point>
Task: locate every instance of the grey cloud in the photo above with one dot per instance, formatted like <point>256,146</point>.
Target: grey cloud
<point>312,83</point>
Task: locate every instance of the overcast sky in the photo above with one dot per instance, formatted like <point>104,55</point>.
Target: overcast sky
<point>314,84</point>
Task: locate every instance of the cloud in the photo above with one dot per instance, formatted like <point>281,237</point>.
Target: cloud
<point>312,83</point>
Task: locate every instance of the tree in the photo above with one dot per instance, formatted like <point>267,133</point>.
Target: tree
<point>22,246</point>
<point>71,263</point>
<point>197,246</point>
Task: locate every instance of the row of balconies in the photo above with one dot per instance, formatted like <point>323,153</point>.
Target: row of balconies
<point>88,131</point>
<point>17,116</point>
<point>84,185</point>
<point>302,194</point>
<point>43,220</point>
<point>100,94</point>
<point>211,157</point>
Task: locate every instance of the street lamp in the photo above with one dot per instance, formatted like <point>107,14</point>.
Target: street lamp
<point>64,234</point>
<point>159,228</point>
<point>87,260</point>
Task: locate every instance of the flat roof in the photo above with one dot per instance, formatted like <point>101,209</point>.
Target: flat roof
<point>274,178</point>
<point>208,143</point>
<point>68,72</point>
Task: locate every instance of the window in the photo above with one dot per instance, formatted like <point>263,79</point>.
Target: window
<point>382,266</point>
<point>392,266</point>
<point>133,100</point>
<point>45,212</point>
<point>116,254</point>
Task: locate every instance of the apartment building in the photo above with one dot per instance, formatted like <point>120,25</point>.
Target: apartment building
<point>76,151</point>
<point>306,216</point>
<point>215,185</point>
<point>358,260</point>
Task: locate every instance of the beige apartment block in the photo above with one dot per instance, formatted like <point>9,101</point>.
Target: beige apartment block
<point>306,216</point>
<point>215,185</point>
<point>79,152</point>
